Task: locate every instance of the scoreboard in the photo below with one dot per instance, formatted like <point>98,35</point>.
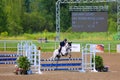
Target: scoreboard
<point>89,21</point>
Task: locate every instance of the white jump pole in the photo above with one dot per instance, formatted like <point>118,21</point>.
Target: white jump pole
<point>39,62</point>
<point>83,65</point>
<point>93,53</point>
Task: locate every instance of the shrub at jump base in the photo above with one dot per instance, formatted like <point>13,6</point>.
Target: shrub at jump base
<point>98,63</point>
<point>24,64</point>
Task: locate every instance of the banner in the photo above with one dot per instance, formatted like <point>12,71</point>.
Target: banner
<point>99,48</point>
<point>96,47</point>
<point>75,47</point>
<point>118,48</point>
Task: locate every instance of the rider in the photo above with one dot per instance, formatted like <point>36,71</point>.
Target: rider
<point>62,44</point>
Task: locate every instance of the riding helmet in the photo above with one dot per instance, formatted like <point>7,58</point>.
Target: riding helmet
<point>65,39</point>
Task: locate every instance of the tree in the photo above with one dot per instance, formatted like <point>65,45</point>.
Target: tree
<point>33,23</point>
<point>65,17</point>
<point>14,11</point>
<point>112,25</point>
<point>27,6</point>
<point>14,28</point>
<point>47,10</point>
<point>31,16</point>
<point>3,17</point>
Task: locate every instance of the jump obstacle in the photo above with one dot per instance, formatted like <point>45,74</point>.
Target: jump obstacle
<point>27,48</point>
<point>82,64</point>
<point>8,58</point>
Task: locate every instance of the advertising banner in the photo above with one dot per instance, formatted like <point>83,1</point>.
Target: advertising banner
<point>118,48</point>
<point>96,47</point>
<point>75,47</point>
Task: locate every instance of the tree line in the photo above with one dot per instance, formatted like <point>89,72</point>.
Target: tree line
<point>32,16</point>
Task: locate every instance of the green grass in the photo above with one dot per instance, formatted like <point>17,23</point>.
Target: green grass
<point>51,45</point>
<point>82,38</point>
<point>69,35</point>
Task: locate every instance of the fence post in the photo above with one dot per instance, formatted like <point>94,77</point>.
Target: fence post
<point>109,47</point>
<point>5,45</point>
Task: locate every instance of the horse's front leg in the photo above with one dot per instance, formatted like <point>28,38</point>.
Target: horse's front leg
<point>70,55</point>
<point>52,59</point>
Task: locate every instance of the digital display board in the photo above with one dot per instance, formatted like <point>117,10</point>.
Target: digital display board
<point>89,21</point>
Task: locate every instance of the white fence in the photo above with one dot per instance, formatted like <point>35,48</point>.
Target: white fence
<point>11,45</point>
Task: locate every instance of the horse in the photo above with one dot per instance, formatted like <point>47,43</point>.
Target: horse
<point>66,50</point>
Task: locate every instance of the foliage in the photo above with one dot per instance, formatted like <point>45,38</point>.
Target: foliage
<point>65,18</point>
<point>76,36</point>
<point>3,17</point>
<point>98,63</point>
<point>112,25</point>
<point>32,16</point>
<point>23,63</point>
<point>14,28</point>
<point>4,34</point>
<point>33,23</point>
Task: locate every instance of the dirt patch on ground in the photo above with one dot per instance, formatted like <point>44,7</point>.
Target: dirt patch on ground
<point>111,60</point>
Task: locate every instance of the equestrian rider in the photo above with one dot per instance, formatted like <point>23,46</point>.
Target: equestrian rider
<point>62,44</point>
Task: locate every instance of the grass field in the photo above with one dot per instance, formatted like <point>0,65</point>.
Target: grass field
<point>108,39</point>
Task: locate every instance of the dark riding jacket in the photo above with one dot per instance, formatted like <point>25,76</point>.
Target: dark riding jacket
<point>62,44</point>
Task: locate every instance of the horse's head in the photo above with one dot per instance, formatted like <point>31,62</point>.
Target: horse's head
<point>69,44</point>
